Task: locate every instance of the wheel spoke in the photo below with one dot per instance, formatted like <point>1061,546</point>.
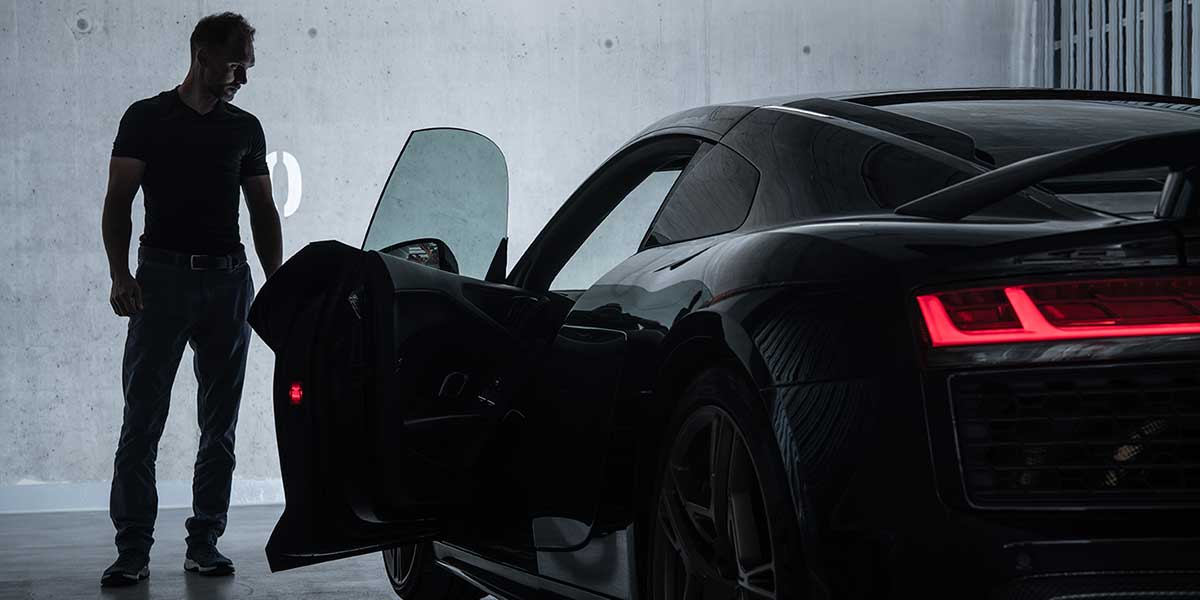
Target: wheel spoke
<point>700,516</point>
<point>411,565</point>
<point>684,538</point>
<point>721,447</point>
<point>745,524</point>
<point>389,563</point>
<point>692,484</point>
<point>667,525</point>
<point>758,581</point>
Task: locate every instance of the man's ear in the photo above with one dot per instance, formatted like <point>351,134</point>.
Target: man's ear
<point>202,57</point>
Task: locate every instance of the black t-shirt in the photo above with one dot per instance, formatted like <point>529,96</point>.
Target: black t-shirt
<point>194,167</point>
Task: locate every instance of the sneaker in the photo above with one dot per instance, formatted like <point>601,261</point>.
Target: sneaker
<point>205,560</point>
<point>129,568</point>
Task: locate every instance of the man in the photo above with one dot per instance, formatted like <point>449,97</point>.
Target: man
<point>189,150</point>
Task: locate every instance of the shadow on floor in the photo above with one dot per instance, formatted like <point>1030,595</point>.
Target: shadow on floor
<point>61,556</point>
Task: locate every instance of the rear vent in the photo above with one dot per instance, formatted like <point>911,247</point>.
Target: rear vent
<point>1111,436</point>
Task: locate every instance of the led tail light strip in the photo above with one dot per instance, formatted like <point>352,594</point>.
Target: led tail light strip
<point>1063,311</point>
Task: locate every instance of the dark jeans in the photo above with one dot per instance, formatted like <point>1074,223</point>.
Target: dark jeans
<point>206,308</point>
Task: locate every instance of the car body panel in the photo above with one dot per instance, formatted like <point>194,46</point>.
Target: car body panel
<point>815,306</point>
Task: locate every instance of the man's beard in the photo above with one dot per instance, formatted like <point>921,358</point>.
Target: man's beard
<point>223,92</point>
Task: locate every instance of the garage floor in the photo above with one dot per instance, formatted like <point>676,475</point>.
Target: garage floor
<point>61,556</point>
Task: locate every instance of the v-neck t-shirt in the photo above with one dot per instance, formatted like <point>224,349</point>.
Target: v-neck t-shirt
<point>194,167</point>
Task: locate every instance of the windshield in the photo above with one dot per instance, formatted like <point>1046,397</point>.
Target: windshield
<point>448,184</point>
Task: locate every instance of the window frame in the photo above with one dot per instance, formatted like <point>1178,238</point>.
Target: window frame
<point>669,165</point>
<point>583,212</point>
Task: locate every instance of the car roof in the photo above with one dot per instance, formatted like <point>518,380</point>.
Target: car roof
<point>1004,124</point>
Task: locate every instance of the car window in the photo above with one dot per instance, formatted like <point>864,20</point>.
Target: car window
<point>1134,194</point>
<point>713,198</point>
<point>619,235</point>
<point>893,175</point>
<point>1138,205</point>
<point>825,168</point>
<point>449,184</point>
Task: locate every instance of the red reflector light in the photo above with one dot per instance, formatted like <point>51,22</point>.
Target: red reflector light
<point>296,393</point>
<point>1063,311</point>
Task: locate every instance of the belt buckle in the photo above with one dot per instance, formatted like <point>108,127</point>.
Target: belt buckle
<point>192,262</point>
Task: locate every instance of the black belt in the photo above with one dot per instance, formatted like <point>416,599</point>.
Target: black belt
<point>197,262</point>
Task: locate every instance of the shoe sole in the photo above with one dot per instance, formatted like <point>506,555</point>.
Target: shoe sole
<point>192,566</point>
<point>124,579</point>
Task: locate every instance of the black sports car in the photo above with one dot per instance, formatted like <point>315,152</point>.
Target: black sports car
<point>905,344</point>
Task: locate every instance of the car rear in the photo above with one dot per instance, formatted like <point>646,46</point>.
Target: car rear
<point>1037,430</point>
<point>1061,383</point>
<point>1063,410</point>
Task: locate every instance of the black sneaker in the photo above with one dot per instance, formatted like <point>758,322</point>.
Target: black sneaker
<point>130,568</point>
<point>205,560</point>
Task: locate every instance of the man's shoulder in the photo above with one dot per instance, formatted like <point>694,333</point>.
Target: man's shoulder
<point>149,106</point>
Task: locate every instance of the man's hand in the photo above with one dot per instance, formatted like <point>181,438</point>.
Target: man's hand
<point>124,177</point>
<point>126,295</point>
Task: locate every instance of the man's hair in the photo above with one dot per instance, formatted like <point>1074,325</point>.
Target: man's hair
<point>220,31</point>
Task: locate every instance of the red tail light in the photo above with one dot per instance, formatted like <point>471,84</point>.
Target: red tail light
<point>1063,311</point>
<point>296,393</point>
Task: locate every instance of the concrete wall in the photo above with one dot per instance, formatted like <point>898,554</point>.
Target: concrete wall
<point>558,85</point>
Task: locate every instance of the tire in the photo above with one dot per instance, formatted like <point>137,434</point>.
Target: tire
<point>742,543</point>
<point>415,575</point>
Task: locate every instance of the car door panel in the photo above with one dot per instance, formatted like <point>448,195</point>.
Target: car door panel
<point>303,314</point>
<point>457,350</point>
<point>394,379</point>
<point>568,428</point>
<point>405,375</point>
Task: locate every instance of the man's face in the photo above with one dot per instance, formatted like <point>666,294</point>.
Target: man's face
<point>225,69</point>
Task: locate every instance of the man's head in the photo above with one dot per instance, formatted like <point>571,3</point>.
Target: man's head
<point>222,51</point>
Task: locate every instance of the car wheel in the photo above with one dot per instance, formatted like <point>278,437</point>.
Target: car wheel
<point>416,576</point>
<point>722,524</point>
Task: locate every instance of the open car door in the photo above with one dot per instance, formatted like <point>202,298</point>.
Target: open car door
<point>394,362</point>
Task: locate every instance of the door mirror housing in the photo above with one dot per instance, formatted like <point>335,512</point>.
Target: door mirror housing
<point>430,252</point>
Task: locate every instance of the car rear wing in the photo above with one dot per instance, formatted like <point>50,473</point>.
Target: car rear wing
<point>1178,151</point>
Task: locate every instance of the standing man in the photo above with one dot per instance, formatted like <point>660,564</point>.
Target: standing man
<point>189,150</point>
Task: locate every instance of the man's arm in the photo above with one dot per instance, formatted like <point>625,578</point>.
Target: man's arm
<point>264,222</point>
<point>124,178</point>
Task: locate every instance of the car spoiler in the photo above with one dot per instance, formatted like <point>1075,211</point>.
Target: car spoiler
<point>1178,151</point>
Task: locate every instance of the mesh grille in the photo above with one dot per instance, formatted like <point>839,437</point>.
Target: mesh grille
<point>1101,436</point>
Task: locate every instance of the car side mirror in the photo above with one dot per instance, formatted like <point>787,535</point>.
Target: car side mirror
<point>430,252</point>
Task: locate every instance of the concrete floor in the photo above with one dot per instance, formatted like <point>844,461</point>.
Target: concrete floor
<point>61,556</point>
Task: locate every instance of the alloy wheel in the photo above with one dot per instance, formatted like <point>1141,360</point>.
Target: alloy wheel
<point>401,563</point>
<point>712,537</point>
